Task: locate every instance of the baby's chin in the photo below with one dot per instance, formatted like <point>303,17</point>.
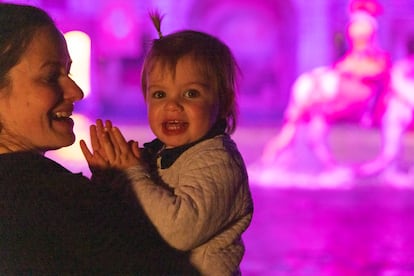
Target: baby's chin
<point>174,140</point>
<point>169,144</point>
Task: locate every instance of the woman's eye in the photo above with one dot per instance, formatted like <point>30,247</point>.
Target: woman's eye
<point>191,93</point>
<point>53,78</point>
<point>158,94</point>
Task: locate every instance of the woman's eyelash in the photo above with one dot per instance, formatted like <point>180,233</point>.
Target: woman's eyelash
<point>52,77</point>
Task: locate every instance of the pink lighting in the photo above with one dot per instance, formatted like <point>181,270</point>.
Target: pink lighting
<point>118,23</point>
<point>119,29</point>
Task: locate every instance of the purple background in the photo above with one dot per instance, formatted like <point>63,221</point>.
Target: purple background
<point>274,41</point>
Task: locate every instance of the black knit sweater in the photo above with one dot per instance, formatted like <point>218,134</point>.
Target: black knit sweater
<point>53,221</point>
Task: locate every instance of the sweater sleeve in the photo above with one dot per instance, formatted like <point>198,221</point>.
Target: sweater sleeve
<point>207,198</point>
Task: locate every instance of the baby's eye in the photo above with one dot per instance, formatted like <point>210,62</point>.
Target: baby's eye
<point>158,94</point>
<point>192,93</point>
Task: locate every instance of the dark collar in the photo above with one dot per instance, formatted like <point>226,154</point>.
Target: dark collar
<point>156,148</point>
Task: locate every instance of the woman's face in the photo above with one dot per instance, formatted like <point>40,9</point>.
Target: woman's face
<point>182,107</point>
<point>35,107</point>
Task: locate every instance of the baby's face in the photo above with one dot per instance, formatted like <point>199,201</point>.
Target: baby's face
<point>183,107</point>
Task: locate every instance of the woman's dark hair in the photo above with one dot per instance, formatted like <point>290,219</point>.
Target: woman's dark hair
<point>214,58</point>
<point>18,25</point>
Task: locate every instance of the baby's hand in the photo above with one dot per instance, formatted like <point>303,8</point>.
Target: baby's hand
<point>109,148</point>
<point>119,153</point>
<point>97,157</point>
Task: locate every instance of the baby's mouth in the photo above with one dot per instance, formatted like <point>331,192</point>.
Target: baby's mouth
<point>174,125</point>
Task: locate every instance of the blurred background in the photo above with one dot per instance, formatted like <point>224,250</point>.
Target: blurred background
<point>274,41</point>
<point>304,224</point>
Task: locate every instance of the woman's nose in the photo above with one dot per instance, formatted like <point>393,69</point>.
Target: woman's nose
<point>73,91</point>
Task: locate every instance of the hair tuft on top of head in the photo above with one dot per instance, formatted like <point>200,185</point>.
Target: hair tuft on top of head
<point>156,19</point>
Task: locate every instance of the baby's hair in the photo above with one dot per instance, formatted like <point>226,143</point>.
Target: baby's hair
<point>212,57</point>
<point>156,19</point>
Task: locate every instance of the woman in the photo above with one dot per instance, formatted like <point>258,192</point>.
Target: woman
<point>54,221</point>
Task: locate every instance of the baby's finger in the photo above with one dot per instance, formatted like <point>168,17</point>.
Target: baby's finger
<point>108,125</point>
<point>93,158</point>
<point>110,141</point>
<point>99,127</point>
<point>135,148</point>
<point>85,150</point>
<point>94,138</point>
<point>120,140</point>
<point>108,146</point>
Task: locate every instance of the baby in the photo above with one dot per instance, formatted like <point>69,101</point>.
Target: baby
<point>191,180</point>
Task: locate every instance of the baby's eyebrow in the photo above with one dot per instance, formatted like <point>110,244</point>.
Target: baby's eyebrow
<point>155,86</point>
<point>203,84</point>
